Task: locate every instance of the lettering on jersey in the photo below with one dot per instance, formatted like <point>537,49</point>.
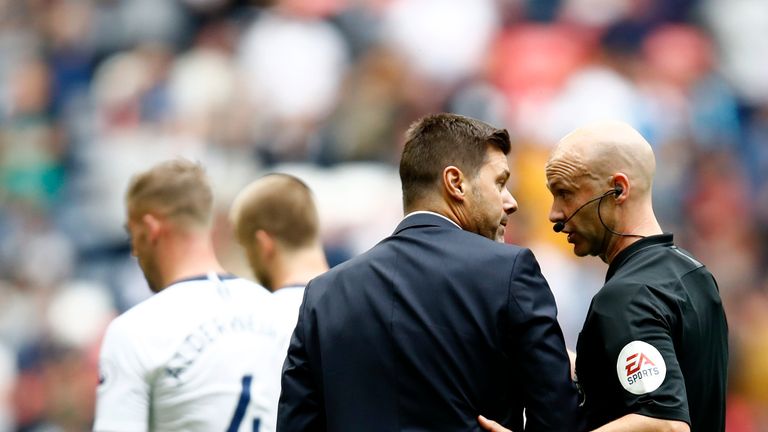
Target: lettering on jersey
<point>640,368</point>
<point>209,332</point>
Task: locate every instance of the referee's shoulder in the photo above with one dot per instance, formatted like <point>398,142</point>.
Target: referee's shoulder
<point>618,292</point>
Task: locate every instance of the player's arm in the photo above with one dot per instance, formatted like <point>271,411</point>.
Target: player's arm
<point>550,396</point>
<point>122,397</point>
<point>301,405</point>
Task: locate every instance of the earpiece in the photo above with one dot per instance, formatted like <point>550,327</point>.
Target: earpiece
<point>616,192</point>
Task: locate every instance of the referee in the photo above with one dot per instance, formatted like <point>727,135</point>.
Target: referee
<point>653,353</point>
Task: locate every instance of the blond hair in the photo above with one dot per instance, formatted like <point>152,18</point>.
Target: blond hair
<point>177,189</point>
<point>280,204</point>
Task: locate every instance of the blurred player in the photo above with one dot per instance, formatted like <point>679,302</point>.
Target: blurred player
<point>197,355</point>
<point>276,222</point>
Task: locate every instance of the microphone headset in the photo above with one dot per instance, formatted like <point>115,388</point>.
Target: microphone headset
<point>618,190</point>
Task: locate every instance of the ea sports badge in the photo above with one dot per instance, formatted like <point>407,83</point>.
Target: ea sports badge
<point>640,368</point>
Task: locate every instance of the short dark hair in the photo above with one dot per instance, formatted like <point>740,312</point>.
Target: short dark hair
<point>439,140</point>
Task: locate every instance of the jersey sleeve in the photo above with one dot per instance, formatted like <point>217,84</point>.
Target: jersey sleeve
<point>122,396</point>
<point>551,398</point>
<point>638,337</point>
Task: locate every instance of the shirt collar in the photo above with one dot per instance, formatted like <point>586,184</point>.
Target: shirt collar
<point>417,212</point>
<point>202,277</point>
<point>665,239</point>
<point>425,218</point>
<point>288,287</point>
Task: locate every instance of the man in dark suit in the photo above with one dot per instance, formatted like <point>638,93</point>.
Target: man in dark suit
<point>437,323</point>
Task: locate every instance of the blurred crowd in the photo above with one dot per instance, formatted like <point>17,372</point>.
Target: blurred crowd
<point>92,91</point>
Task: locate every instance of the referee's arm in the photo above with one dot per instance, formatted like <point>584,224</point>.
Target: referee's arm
<point>631,422</point>
<point>645,318</point>
<point>641,423</point>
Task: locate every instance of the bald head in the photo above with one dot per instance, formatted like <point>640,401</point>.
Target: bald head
<point>591,164</point>
<point>599,150</point>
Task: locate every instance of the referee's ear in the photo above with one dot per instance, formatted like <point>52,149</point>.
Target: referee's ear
<point>622,187</point>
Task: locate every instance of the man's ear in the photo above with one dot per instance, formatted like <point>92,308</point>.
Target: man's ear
<point>265,243</point>
<point>454,183</point>
<point>622,187</point>
<point>154,226</point>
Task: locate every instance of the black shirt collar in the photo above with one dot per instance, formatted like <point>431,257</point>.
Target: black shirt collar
<point>665,239</point>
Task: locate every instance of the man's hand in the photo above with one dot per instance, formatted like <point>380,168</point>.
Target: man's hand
<point>491,425</point>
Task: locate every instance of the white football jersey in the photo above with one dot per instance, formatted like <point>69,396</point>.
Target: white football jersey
<point>200,355</point>
<point>285,308</point>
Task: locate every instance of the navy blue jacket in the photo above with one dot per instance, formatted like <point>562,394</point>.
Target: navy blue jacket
<point>428,329</point>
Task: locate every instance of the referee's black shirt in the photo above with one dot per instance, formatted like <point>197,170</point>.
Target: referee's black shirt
<point>655,340</point>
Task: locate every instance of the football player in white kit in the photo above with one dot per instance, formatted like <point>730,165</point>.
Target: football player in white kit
<point>276,222</point>
<point>200,354</point>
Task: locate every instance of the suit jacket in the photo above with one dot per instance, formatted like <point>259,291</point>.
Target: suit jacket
<point>428,329</point>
